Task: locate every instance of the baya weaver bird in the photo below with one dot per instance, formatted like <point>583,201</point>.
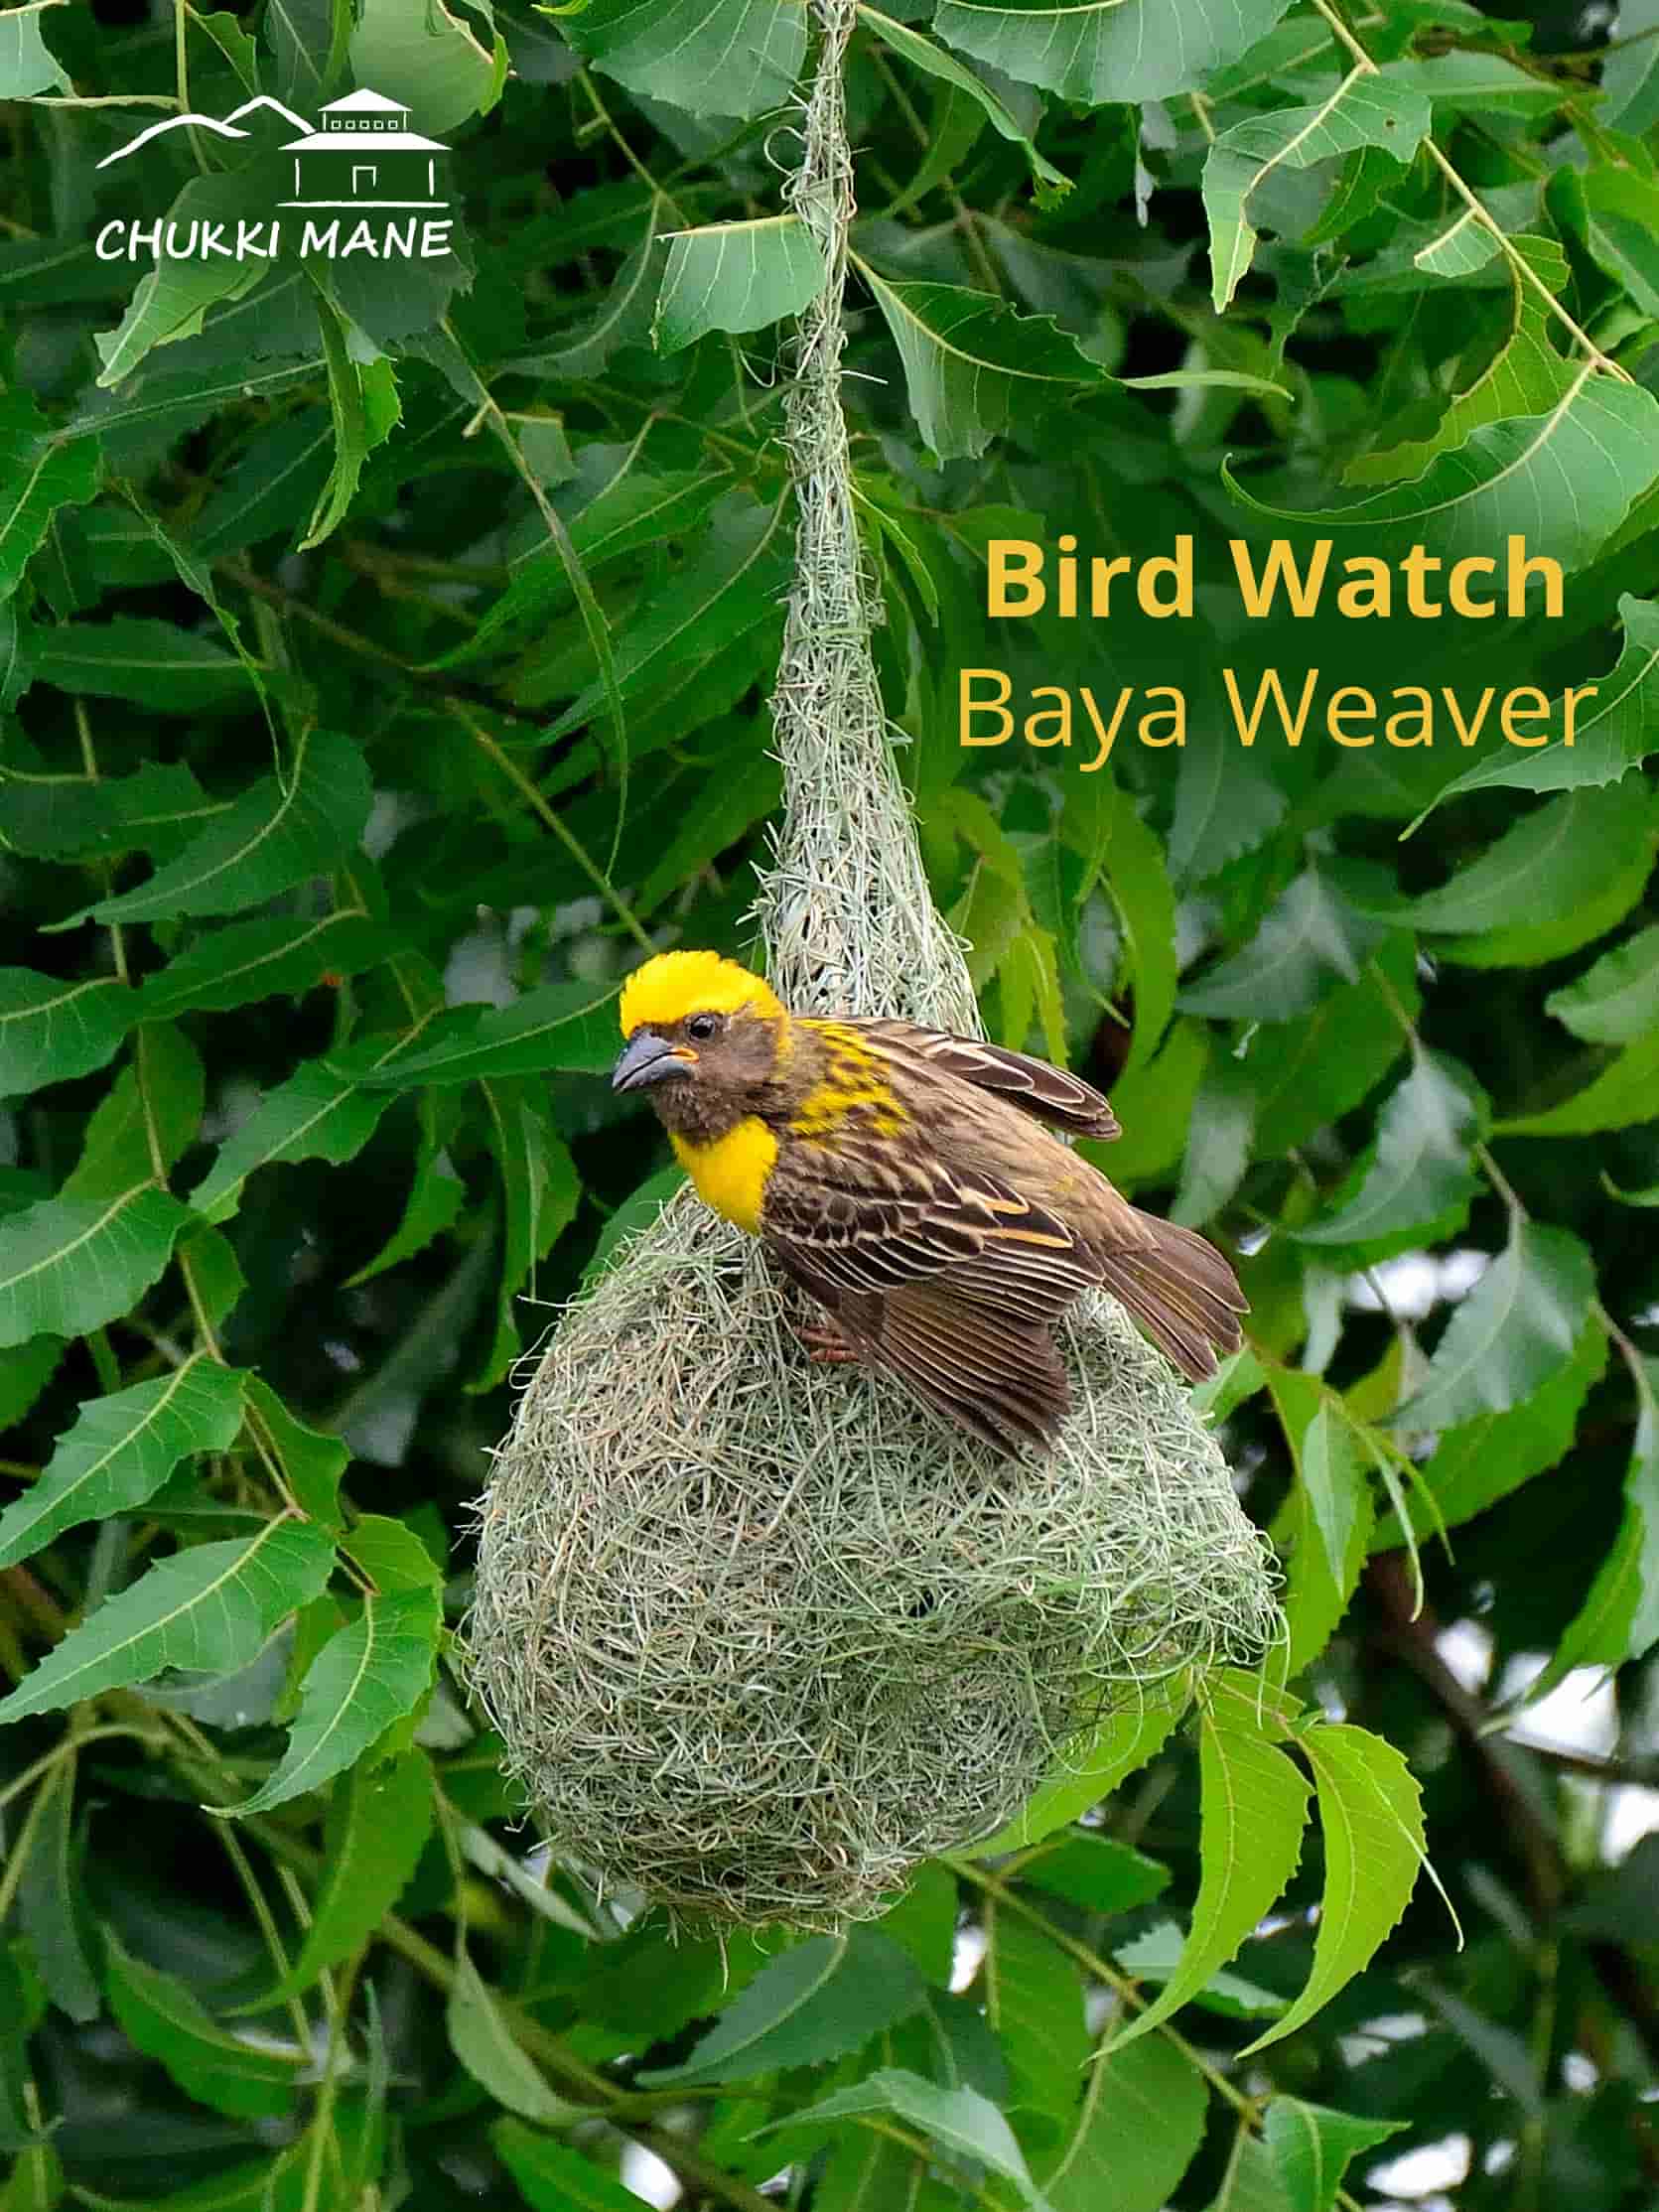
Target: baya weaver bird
<point>911,1182</point>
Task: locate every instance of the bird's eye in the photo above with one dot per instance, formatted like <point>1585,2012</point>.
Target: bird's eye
<point>702,1027</point>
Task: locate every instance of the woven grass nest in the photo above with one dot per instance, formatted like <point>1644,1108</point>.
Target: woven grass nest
<point>761,1636</point>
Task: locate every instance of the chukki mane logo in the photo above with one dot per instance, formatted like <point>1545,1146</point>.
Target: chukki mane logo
<point>359,180</point>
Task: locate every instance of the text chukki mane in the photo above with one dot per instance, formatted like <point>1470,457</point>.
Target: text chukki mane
<point>1023,580</point>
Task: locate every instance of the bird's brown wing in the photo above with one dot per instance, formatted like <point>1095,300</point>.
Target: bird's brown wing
<point>1050,1094</point>
<point>948,1275</point>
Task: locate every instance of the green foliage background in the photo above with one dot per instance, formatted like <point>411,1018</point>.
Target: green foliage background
<point>383,657</point>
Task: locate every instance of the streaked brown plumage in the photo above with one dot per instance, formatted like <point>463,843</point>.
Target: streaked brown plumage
<point>911,1182</point>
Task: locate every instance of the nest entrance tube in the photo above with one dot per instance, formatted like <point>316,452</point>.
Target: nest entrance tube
<point>761,1636</point>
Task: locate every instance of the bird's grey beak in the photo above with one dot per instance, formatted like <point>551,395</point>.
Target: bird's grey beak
<point>646,1058</point>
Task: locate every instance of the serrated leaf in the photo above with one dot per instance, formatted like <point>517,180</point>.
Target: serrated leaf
<point>207,1610</point>
<point>164,2018</point>
<point>72,1264</point>
<point>1545,865</point>
<point>51,1899</point>
<point>1155,1954</point>
<point>1124,49</point>
<point>1227,803</point>
<point>27,64</point>
<point>1419,1176</point>
<point>322,1112</point>
<point>1095,1871</point>
<point>1616,1002</point>
<point>826,1997</point>
<point>1516,1328</point>
<point>122,1448</point>
<point>736,276</point>
<point>710,57</point>
<point>1371,1817</point>
<point>1311,936</point>
<point>1571,473</point>
<point>1034,2000</point>
<point>970,360</point>
<point>1052,184</point>
<point>1118,1748</point>
<point>173,297</point>
<point>278,833</point>
<point>153,664</point>
<point>1482,1460</point>
<point>369,1675</point>
<point>1625,1092</point>
<point>377,1826</point>
<point>1365,109</point>
<point>1619,1618</point>
<point>1140,2123</point>
<point>539,1193</point>
<point>958,2119</point>
<point>484,2044</point>
<point>1312,2148</point>
<point>312,1461</point>
<point>52,1030</point>
<point>552,2178</point>
<point>432,60</point>
<point>1253,1807</point>
<point>117,814</point>
<point>39,473</point>
<point>1119,849</point>
<point>246,961</point>
<point>566,1027</point>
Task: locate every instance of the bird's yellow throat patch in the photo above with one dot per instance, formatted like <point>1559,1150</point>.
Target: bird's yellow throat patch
<point>731,1172</point>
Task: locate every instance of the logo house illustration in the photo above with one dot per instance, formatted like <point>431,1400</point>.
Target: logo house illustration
<point>361,158</point>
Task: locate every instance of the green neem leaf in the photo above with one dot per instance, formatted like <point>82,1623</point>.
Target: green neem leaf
<point>377,1826</point>
<point>1227,803</point>
<point>731,57</point>
<point>1364,110</point>
<point>1616,1002</point>
<point>1464,245</point>
<point>1619,1618</point>
<point>122,813</point>
<point>483,2041</point>
<point>736,276</point>
<point>1483,1460</point>
<point>27,64</point>
<point>1622,228</point>
<point>273,487</point>
<point>1312,2147</point>
<point>1326,1525</point>
<point>39,473</point>
<point>51,1899</point>
<point>825,1997</point>
<point>364,407</point>
<point>539,1193</point>
<point>1034,2001</point>
<point>970,360</point>
<point>1517,1328</point>
<point>122,1448</point>
<point>369,1675</point>
<point>312,1461</point>
<point>1570,475</point>
<point>1621,1094</point>
<point>1120,848</point>
<point>153,664</point>
<point>1052,184</point>
<point>74,1263</point>
<point>1543,866</point>
<point>1614,734</point>
<point>207,1610</point>
<point>1253,1809</point>
<point>1311,936</point>
<point>1155,1954</point>
<point>1526,378</point>
<point>1095,1871</point>
<point>1141,2119</point>
<point>561,1026</point>
<point>1119,1747</point>
<point>1630,74</point>
<point>429,58</point>
<point>322,1112</point>
<point>173,297</point>
<point>51,1031</point>
<point>1371,1817</point>
<point>251,960</point>
<point>552,2178</point>
<point>958,2119</point>
<point>1419,1176</point>
<point>278,833</point>
<point>167,2020</point>
<point>1132,50</point>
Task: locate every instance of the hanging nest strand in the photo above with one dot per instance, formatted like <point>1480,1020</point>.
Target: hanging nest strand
<point>761,1636</point>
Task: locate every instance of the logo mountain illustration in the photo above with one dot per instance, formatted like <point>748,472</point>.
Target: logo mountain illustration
<point>225,129</point>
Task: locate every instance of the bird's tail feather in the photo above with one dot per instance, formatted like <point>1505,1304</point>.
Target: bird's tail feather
<point>1182,1292</point>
